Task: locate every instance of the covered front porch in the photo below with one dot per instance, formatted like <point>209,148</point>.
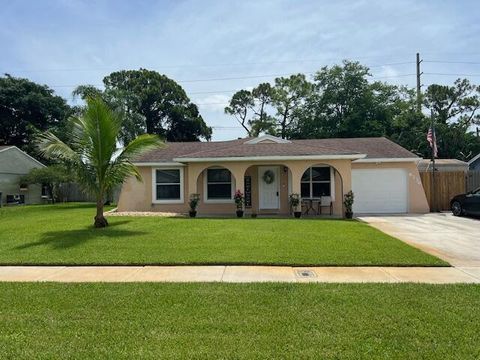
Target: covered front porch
<point>268,185</point>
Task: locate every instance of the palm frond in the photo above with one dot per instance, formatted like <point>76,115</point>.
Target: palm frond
<point>52,147</point>
<point>140,145</point>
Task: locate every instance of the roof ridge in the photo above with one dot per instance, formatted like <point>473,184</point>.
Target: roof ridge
<point>207,142</point>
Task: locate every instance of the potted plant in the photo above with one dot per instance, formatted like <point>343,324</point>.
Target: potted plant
<point>193,203</point>
<point>295,205</point>
<point>239,200</point>
<point>348,203</point>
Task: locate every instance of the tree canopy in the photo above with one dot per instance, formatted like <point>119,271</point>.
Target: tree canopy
<point>50,176</point>
<point>27,108</point>
<point>152,103</point>
<point>342,101</point>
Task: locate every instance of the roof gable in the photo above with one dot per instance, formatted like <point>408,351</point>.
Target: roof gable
<point>267,139</point>
<point>474,159</point>
<point>13,160</point>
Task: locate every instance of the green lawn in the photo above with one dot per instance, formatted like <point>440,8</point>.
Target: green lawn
<point>239,321</point>
<point>63,234</point>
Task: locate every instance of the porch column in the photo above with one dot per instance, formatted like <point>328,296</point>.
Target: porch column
<point>193,171</point>
<point>238,171</point>
<point>296,171</point>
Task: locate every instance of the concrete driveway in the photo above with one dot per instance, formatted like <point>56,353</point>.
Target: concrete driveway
<point>453,239</point>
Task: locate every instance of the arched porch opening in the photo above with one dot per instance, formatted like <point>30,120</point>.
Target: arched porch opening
<point>322,189</point>
<point>215,185</point>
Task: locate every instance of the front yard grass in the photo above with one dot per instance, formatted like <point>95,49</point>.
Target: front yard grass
<point>63,234</point>
<point>239,321</point>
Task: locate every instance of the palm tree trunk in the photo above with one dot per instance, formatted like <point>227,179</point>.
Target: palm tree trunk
<point>100,220</point>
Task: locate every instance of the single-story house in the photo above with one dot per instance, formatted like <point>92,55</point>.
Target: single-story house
<point>443,165</point>
<point>15,163</point>
<point>474,163</point>
<point>383,176</point>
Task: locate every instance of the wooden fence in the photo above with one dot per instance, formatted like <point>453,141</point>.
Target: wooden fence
<point>447,185</point>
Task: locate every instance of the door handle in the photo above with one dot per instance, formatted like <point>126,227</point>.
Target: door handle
<point>277,193</point>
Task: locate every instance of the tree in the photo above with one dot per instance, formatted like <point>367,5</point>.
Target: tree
<point>154,104</point>
<point>455,109</point>
<point>239,106</point>
<point>25,109</point>
<point>51,177</point>
<point>409,126</point>
<point>87,91</point>
<point>92,151</point>
<point>288,95</point>
<point>460,101</point>
<point>344,104</point>
<point>250,109</point>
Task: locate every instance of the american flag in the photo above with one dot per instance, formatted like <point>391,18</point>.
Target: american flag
<point>432,140</point>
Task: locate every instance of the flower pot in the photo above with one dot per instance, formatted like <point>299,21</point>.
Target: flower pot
<point>297,214</point>
<point>348,214</point>
<point>239,213</point>
<point>192,213</point>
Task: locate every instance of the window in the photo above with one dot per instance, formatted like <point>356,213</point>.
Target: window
<point>168,185</point>
<point>218,184</point>
<point>316,182</point>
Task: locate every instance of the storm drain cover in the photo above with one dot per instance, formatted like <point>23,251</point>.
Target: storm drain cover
<point>306,273</point>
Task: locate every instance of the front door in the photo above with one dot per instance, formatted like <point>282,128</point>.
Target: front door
<point>268,187</point>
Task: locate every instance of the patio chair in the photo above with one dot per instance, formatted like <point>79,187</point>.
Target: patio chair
<point>325,204</point>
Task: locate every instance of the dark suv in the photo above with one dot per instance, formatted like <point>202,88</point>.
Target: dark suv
<point>466,204</point>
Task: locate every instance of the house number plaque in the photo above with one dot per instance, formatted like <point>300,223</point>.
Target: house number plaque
<point>248,191</point>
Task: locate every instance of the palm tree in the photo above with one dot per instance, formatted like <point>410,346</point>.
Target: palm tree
<point>92,151</point>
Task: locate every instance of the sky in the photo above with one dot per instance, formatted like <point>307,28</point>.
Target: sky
<point>214,48</point>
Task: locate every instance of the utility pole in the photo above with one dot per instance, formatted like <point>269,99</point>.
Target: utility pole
<point>433,199</point>
<point>419,85</point>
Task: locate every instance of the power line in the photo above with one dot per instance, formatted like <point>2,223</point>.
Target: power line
<point>452,62</point>
<point>393,76</point>
<point>450,74</point>
<point>236,78</point>
<point>205,65</point>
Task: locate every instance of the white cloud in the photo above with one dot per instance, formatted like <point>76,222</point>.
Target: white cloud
<point>214,103</point>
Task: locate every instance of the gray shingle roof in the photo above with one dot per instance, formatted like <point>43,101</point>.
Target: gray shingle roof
<point>372,147</point>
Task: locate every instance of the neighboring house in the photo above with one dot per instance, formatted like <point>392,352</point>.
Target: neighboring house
<point>14,163</point>
<point>383,176</point>
<point>443,165</point>
<point>474,163</point>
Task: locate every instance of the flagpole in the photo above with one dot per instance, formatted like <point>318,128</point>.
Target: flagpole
<point>434,137</point>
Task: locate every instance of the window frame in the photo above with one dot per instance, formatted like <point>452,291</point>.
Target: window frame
<point>206,200</point>
<point>154,186</point>
<point>311,182</point>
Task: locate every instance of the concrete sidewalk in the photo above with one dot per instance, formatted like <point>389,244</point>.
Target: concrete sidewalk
<point>239,274</point>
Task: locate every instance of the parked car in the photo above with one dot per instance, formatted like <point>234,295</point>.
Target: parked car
<point>466,204</point>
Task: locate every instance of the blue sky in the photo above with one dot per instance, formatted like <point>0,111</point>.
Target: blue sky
<point>64,43</point>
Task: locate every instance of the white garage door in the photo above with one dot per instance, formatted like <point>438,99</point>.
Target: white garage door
<point>380,191</point>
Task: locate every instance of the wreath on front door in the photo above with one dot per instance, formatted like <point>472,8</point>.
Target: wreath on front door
<point>268,176</point>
